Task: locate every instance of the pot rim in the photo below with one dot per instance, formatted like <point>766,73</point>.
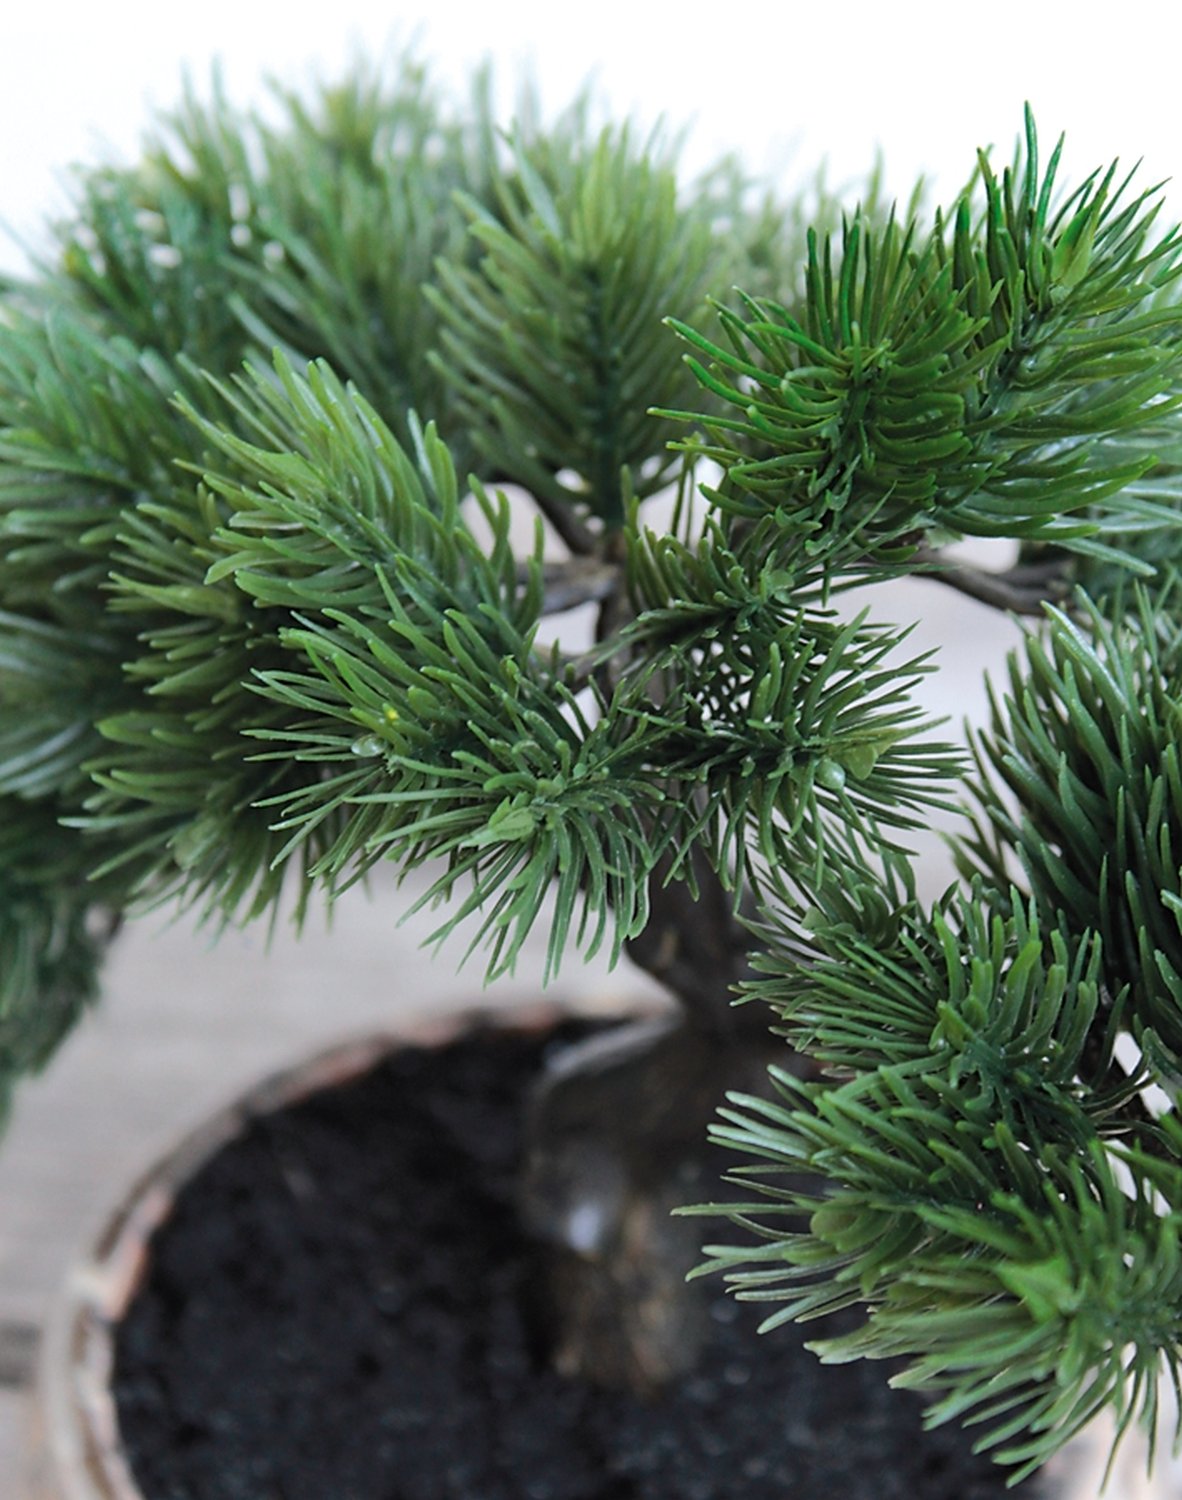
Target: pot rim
<point>77,1450</point>
<point>77,1453</point>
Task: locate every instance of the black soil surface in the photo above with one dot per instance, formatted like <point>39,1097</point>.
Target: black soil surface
<point>338,1310</point>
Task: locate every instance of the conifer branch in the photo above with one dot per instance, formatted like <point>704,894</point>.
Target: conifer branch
<point>1021,590</point>
<point>568,525</point>
<point>577,581</point>
<point>251,625</point>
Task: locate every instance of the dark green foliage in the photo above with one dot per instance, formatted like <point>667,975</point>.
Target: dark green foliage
<point>86,426</point>
<point>976,1165</point>
<point>261,628</point>
<point>972,1161</point>
<point>412,683</point>
<point>236,235</point>
<point>218,600</point>
<point>409,678</point>
<point>54,928</point>
<point>965,1169</point>
<point>554,340</point>
<point>799,724</point>
<point>961,382</point>
<point>1087,737</point>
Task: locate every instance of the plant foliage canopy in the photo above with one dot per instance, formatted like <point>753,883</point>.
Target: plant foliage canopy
<point>271,409</point>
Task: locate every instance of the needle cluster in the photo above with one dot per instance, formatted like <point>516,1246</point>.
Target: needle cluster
<point>271,409</point>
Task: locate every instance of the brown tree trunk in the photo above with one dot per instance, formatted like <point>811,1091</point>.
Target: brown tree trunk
<point>617,1140</point>
<point>617,1130</point>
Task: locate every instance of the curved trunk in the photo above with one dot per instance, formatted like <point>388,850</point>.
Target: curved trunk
<point>616,1135</point>
<point>616,1141</point>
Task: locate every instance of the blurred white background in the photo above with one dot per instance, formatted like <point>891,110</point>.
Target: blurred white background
<point>786,83</point>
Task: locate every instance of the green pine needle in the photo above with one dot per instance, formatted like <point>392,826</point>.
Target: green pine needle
<point>260,629</point>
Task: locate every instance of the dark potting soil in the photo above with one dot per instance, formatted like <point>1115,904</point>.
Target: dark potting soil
<point>337,1310</point>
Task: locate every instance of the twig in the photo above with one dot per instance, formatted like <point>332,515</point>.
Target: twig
<point>574,531</point>
<point>575,581</point>
<point>696,945</point>
<point>1022,589</point>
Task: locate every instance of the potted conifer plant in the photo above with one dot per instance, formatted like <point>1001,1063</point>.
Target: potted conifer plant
<point>266,618</point>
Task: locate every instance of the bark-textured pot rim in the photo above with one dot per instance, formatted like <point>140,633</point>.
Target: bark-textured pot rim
<point>76,1450</point>
<point>77,1453</point>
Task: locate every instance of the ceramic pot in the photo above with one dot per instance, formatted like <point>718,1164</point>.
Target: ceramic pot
<point>76,1452</point>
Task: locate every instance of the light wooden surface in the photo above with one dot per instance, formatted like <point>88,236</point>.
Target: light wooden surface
<point>186,1023</point>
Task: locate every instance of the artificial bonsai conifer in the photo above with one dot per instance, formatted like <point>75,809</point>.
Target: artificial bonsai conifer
<point>267,621</point>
